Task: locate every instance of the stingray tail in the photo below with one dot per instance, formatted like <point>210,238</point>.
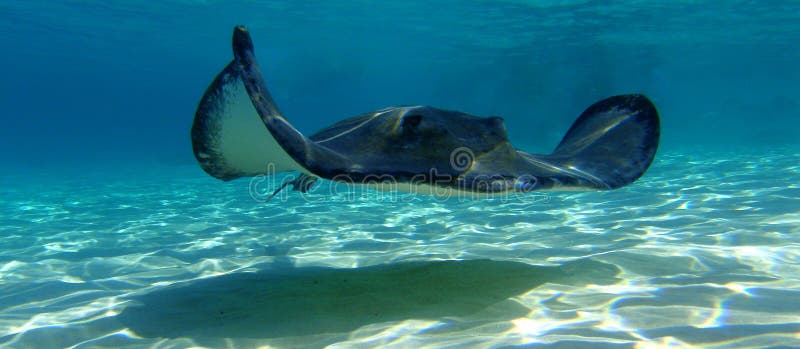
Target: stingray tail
<point>302,184</point>
<point>614,140</point>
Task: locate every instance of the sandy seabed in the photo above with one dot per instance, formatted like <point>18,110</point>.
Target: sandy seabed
<point>703,251</point>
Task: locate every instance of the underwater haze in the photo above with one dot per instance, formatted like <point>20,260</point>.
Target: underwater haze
<point>112,236</point>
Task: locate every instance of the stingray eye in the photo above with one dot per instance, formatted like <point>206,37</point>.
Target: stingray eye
<point>495,125</point>
<point>412,120</point>
<point>494,120</point>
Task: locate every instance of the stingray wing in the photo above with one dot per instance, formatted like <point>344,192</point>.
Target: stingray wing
<point>314,158</point>
<point>612,143</point>
<point>609,146</point>
<point>229,137</point>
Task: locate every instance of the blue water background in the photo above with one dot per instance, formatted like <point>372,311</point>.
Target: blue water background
<point>111,236</point>
<point>96,81</point>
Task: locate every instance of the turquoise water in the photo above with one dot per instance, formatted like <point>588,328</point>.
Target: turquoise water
<point>169,257</point>
<point>112,237</point>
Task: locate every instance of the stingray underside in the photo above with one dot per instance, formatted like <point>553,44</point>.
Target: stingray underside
<point>228,138</point>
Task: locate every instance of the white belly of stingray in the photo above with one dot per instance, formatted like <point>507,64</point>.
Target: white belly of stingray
<point>244,140</point>
<point>235,142</point>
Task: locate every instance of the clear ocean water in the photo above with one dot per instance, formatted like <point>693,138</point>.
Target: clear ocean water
<point>111,236</point>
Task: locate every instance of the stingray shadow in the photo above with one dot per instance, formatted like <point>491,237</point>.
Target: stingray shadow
<point>310,301</point>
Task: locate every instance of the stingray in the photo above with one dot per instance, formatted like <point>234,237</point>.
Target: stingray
<point>238,131</point>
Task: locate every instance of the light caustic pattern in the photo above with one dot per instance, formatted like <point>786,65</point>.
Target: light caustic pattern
<point>703,251</point>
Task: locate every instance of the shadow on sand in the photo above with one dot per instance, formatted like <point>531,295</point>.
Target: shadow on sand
<point>311,301</point>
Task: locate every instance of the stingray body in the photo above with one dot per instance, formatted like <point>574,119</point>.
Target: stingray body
<point>238,131</point>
